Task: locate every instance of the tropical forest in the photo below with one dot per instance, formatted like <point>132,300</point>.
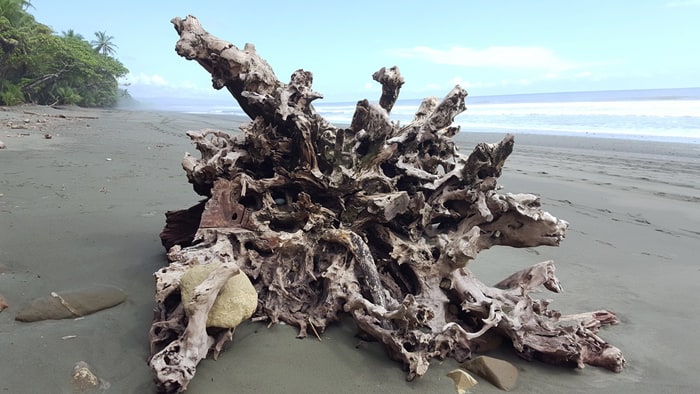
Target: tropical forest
<point>40,66</point>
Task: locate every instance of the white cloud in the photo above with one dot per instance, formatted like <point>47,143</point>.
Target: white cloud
<point>155,80</point>
<point>155,85</point>
<point>495,56</point>
<point>471,84</point>
<point>463,83</point>
<point>145,79</point>
<point>190,85</point>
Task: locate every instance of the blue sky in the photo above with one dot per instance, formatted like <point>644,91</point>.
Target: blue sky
<point>488,47</point>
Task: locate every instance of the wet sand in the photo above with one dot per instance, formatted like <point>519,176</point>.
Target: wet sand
<point>86,206</point>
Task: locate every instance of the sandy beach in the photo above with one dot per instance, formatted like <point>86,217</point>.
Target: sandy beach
<point>85,207</point>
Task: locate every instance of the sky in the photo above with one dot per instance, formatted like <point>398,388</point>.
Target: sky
<point>489,47</point>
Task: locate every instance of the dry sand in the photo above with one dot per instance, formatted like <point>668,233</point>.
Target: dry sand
<point>86,207</point>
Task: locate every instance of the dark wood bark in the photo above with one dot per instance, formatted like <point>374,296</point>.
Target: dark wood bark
<point>376,220</point>
<point>181,226</point>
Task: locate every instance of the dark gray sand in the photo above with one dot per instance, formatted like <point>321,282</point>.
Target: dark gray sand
<point>85,208</point>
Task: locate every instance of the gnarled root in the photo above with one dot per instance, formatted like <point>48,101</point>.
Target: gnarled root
<point>377,220</point>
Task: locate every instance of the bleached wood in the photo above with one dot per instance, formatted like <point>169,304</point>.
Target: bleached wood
<point>378,220</point>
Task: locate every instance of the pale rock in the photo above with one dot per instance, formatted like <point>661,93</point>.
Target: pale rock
<point>85,380</point>
<point>463,381</point>
<point>235,303</point>
<point>500,373</point>
<point>2,145</point>
<point>3,303</point>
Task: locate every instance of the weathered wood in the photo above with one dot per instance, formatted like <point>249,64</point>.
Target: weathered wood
<point>391,81</point>
<point>378,221</point>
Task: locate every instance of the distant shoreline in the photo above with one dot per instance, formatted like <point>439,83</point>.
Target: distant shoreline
<point>621,143</point>
<point>656,115</point>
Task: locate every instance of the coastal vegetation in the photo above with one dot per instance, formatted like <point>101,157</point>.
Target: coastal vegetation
<point>39,66</point>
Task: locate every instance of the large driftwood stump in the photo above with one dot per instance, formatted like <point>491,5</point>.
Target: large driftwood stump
<point>377,221</point>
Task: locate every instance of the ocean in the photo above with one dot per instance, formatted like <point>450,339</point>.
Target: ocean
<point>671,115</point>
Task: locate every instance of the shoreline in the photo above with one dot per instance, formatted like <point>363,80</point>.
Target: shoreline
<point>660,115</point>
<point>70,218</point>
<point>633,138</point>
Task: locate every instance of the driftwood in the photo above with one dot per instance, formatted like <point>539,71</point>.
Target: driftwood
<point>377,221</point>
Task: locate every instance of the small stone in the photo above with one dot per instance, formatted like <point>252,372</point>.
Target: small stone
<point>463,381</point>
<point>83,378</point>
<point>500,373</point>
<point>3,303</point>
<point>48,136</point>
<point>235,303</point>
<point>2,145</point>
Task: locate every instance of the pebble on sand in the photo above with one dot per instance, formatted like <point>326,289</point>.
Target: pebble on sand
<point>3,303</point>
<point>500,373</point>
<point>84,379</point>
<point>463,381</point>
<point>71,304</point>
<point>2,145</point>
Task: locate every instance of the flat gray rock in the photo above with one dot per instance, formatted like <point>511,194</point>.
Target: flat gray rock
<point>72,304</point>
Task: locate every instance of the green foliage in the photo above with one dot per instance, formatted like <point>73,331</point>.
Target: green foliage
<point>10,94</point>
<point>66,95</point>
<point>40,67</point>
<point>71,34</point>
<point>103,44</point>
<point>15,11</point>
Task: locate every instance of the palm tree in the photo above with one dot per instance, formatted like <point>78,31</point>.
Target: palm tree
<point>71,34</point>
<point>103,44</point>
<point>15,11</point>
